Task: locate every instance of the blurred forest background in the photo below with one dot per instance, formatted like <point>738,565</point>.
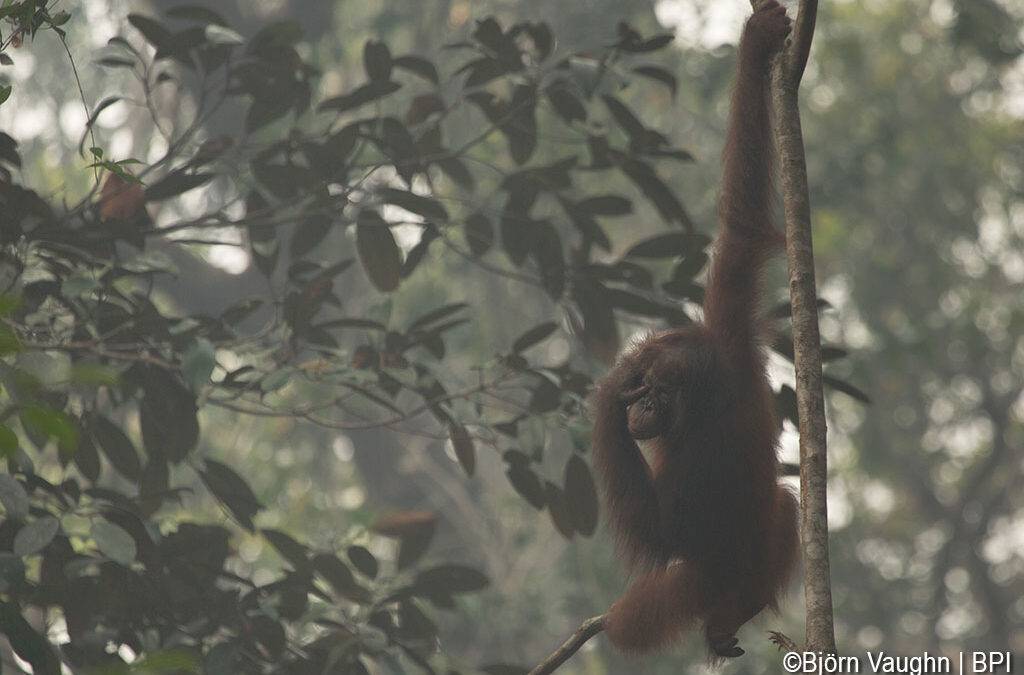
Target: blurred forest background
<point>443,498</point>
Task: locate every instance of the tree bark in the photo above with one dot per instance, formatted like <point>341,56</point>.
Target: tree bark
<point>786,74</point>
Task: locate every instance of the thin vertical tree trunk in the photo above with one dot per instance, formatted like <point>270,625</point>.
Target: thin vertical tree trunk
<point>786,73</point>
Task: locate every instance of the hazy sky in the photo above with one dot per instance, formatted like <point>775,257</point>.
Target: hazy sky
<point>707,24</point>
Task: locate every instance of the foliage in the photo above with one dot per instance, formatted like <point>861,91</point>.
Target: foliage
<point>102,376</point>
<point>25,18</point>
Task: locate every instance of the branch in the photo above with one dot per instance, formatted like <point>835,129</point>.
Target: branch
<point>587,630</point>
<point>786,72</point>
<point>803,35</point>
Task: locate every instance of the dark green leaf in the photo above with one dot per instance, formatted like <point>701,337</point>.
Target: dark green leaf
<point>425,206</point>
<point>559,509</point>
<point>9,154</point>
<point>436,315</point>
<point>535,335</point>
<point>29,645</point>
<point>291,550</point>
<point>526,482</point>
<point>400,147</point>
<point>418,253</point>
<point>482,71</point>
<point>222,659</point>
<point>832,353</point>
<point>414,529</point>
<point>12,573</point>
<point>413,623</point>
<point>114,542</point>
<point>644,306</point>
<point>268,107</point>
<point>42,423</point>
<point>465,450</point>
<point>241,310</point>
<point>284,181</point>
<point>690,266</point>
<point>607,205</point>
<point>499,43</point>
<point>479,234</point>
<point>649,45</point>
<point>598,327</point>
<point>546,396</point>
<point>309,235</point>
<point>586,224</point>
<point>517,230</point>
<point>547,251</point>
<point>542,38</point>
<point>35,536</point>
<point>686,289</point>
<point>456,171</point>
<point>155,479</point>
<point>8,442</point>
<point>377,61</point>
<point>846,388</point>
<point>197,364</point>
<point>670,153</point>
<point>420,110</point>
<point>232,491</point>
<point>418,66</point>
<point>167,416</point>
<point>340,577</point>
<point>378,251</point>
<point>668,245</point>
<point>660,75</point>
<point>176,183</point>
<point>283,33</point>
<point>664,200</point>
<point>624,117</point>
<point>364,324</point>
<point>521,129</point>
<point>13,497</point>
<point>116,446</point>
<point>364,561</point>
<point>155,32</point>
<point>269,634</point>
<point>785,405</point>
<point>116,62</point>
<point>564,100</point>
<point>451,579</point>
<point>581,496</point>
<point>361,96</point>
<point>86,458</point>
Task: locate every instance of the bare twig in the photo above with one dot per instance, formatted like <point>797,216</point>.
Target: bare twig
<point>803,35</point>
<point>587,630</point>
<point>782,641</point>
